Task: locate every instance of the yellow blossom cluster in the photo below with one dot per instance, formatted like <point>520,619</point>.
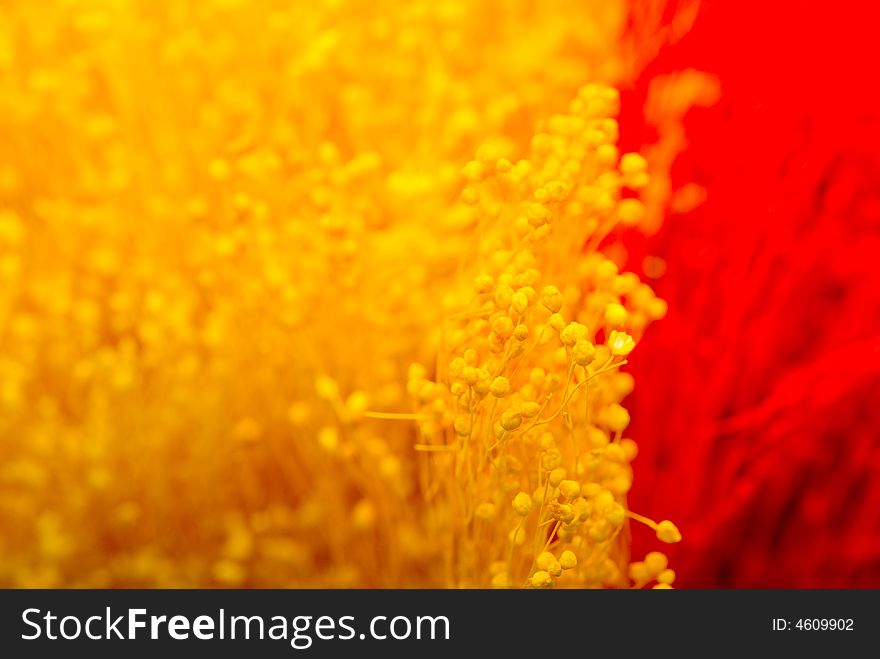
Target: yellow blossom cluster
<point>227,230</point>
<point>526,465</point>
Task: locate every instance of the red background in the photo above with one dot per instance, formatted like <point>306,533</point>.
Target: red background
<point>757,404</point>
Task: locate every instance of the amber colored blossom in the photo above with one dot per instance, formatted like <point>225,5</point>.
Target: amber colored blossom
<point>310,294</point>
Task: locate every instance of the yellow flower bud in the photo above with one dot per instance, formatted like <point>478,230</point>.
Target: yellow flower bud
<point>666,576</point>
<point>621,343</point>
<point>570,489</point>
<point>668,532</point>
<point>632,163</point>
<point>568,560</point>
<point>522,504</point>
<point>616,515</point>
<point>503,326</point>
<point>530,409</point>
<point>547,562</point>
<point>583,353</point>
<point>551,298</point>
<point>615,453</point>
<point>511,419</point>
<point>499,387</point>
<point>656,562</point>
<point>615,315</point>
<point>616,417</point>
<point>541,579</point>
<point>572,333</point>
<point>556,476</point>
<point>520,303</point>
<point>638,572</point>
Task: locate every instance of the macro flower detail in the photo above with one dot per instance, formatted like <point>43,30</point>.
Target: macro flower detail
<point>621,343</point>
<point>343,308</point>
<point>553,390</point>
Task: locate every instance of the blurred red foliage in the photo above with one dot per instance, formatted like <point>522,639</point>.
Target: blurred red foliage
<point>757,406</point>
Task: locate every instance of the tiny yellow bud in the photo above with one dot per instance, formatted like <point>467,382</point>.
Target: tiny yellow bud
<point>538,495</point>
<point>583,353</point>
<point>638,572</point>
<point>538,215</point>
<point>556,476</point>
<point>667,576</point>
<point>541,579</point>
<point>568,560</point>
<point>632,163</point>
<point>547,562</point>
<point>556,322</point>
<point>503,296</point>
<point>616,515</point>
<point>630,449</point>
<point>551,298</point>
<point>607,270</point>
<point>615,315</point>
<point>606,154</point>
<point>630,212</point>
<point>561,511</point>
<point>616,417</point>
<point>668,532</point>
<point>519,303</point>
<point>570,489</point>
<point>657,308</point>
<point>521,332</point>
<point>503,326</point>
<point>522,504</point>
<point>511,419</point>
<point>656,562</point>
<point>530,409</point>
<point>572,333</point>
<point>499,387</point>
<point>621,343</point>
<point>551,460</point>
<point>614,453</point>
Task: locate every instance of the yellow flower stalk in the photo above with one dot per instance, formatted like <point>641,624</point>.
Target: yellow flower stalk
<point>521,425</point>
<point>294,295</point>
